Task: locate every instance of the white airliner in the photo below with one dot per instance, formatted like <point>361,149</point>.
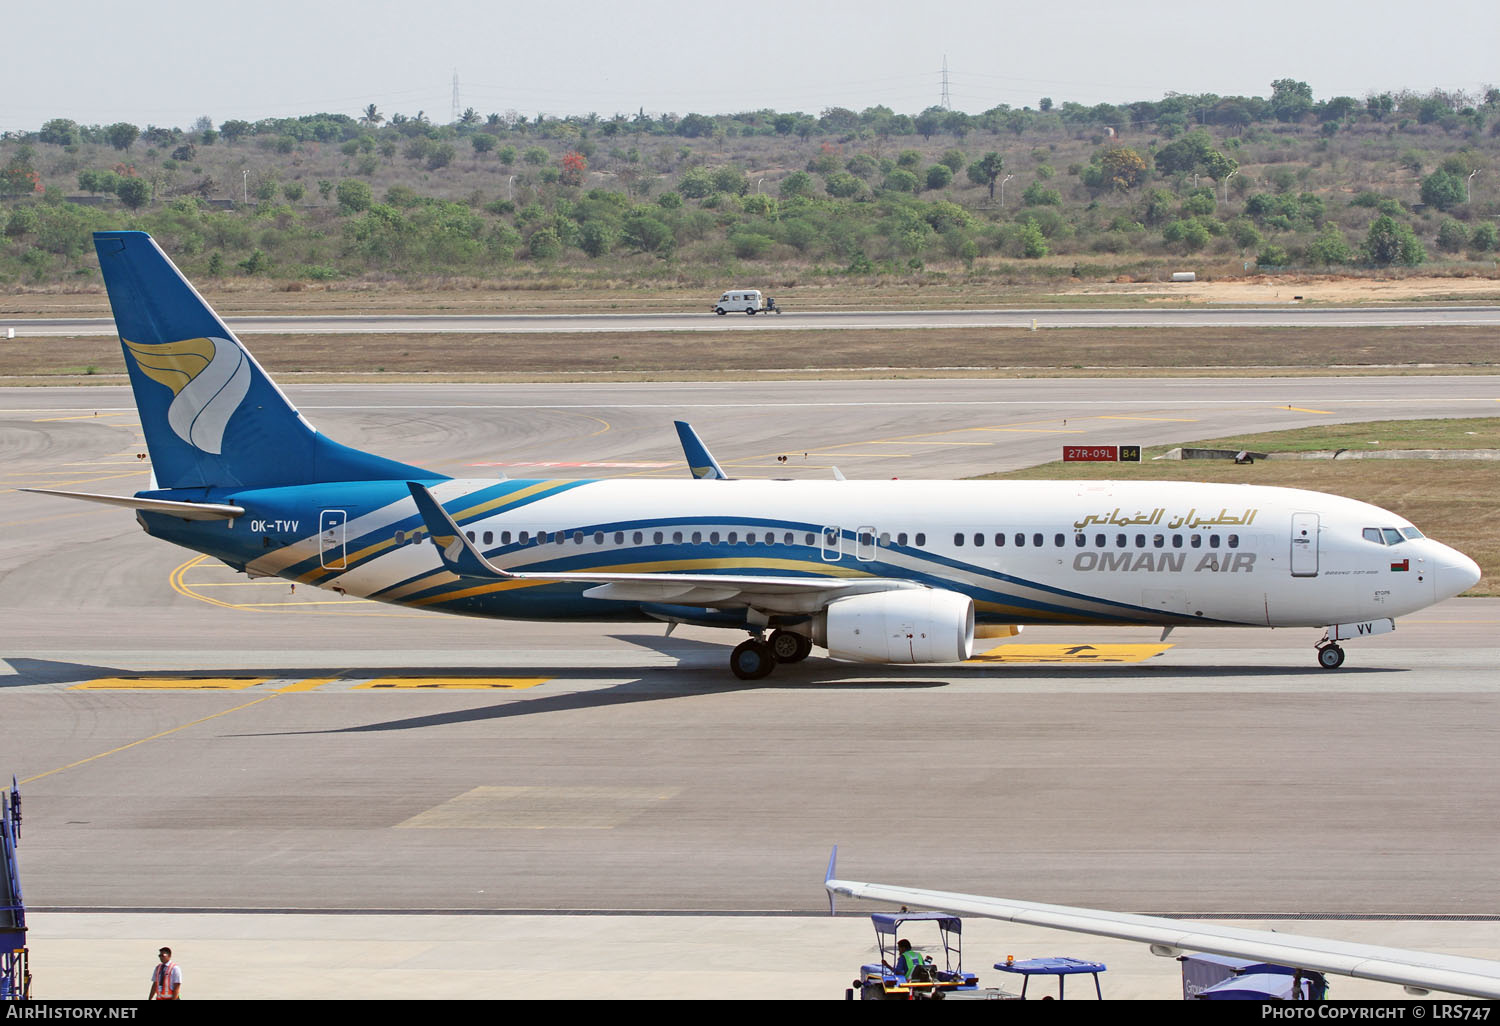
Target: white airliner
<point>1418,971</point>
<point>872,571</point>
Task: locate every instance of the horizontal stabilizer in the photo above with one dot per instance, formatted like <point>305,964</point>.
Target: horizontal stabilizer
<point>185,510</point>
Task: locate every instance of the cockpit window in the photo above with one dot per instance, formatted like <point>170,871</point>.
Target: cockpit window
<point>1411,533</point>
<point>1372,534</point>
<point>1392,536</point>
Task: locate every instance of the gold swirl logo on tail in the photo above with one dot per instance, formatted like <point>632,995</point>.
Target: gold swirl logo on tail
<point>208,378</point>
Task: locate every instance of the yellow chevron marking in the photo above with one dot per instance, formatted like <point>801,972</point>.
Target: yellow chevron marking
<point>510,683</point>
<point>1012,653</point>
<point>169,683</point>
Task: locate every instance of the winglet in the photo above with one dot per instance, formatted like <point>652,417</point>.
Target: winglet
<point>700,461</point>
<point>833,860</point>
<point>457,552</point>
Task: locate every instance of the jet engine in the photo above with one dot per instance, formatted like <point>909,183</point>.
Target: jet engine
<point>910,625</point>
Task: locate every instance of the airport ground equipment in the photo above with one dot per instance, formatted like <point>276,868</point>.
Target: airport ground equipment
<point>15,975</point>
<point>1059,966</point>
<point>928,981</point>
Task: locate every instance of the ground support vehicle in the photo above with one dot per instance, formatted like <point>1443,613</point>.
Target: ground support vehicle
<point>929,981</point>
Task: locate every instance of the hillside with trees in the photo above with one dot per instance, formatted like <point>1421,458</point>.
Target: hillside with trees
<point>1225,185</point>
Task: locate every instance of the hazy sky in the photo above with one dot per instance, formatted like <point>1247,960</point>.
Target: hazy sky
<point>168,62</point>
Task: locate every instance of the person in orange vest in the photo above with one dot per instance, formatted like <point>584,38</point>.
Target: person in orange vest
<point>166,980</point>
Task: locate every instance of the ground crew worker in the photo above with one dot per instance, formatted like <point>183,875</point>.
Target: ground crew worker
<point>907,959</point>
<point>166,981</point>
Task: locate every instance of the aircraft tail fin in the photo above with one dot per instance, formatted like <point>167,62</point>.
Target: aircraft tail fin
<point>700,461</point>
<point>212,417</point>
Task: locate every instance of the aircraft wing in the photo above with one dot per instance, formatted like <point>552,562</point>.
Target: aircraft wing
<point>775,594</point>
<point>1417,971</point>
<point>185,510</point>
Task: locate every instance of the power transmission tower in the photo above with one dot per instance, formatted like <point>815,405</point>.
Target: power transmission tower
<point>457,110</point>
<point>945,103</point>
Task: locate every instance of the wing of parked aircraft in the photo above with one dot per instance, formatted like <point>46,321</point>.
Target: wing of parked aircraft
<point>1417,971</point>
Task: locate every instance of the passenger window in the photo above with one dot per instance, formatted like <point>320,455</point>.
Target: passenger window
<point>504,537</point>
<point>657,538</point>
<point>713,537</point>
<point>958,540</point>
<point>1057,539</point>
<point>978,539</point>
<point>1099,540</point>
<point>1080,540</point>
<point>734,537</point>
<point>637,538</point>
<point>524,537</point>
<point>1176,541</point>
<point>1234,541</point>
<point>749,538</point>
<point>1197,541</point>
<point>697,537</point>
<point>1020,538</point>
<point>901,538</point>
<point>1372,534</point>
<point>676,537</point>
<point>1140,541</point>
<point>885,538</point>
<point>1036,539</point>
<point>811,538</point>
<point>469,535</point>
<point>1213,541</point>
<point>921,538</point>
<point>1119,541</point>
<point>1158,541</point>
<point>999,540</point>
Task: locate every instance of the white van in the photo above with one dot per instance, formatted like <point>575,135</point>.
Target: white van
<point>748,300</point>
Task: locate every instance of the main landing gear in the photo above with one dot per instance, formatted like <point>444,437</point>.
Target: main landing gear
<point>755,659</point>
<point>1330,656</point>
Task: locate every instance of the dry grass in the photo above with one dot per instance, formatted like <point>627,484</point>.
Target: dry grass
<point>714,355</point>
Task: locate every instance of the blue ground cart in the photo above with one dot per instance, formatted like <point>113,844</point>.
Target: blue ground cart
<point>1060,967</point>
<point>932,979</point>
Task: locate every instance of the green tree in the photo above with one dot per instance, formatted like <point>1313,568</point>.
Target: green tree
<point>843,185</point>
<point>482,143</point>
<point>544,244</point>
<point>1443,189</point>
<point>900,180</point>
<point>1452,236</point>
<point>133,192</point>
<point>121,135</point>
<point>798,183</point>
<point>1485,238</point>
<point>987,170</point>
<point>1290,99</point>
<point>1392,242</point>
<point>354,196</point>
<point>59,132</point>
<point>939,176</point>
<point>1329,247</point>
<point>1033,242</point>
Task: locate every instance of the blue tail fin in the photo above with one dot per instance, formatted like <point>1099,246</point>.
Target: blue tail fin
<point>212,417</point>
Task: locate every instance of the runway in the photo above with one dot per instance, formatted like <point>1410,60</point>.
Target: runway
<point>189,742</point>
<point>1284,315</point>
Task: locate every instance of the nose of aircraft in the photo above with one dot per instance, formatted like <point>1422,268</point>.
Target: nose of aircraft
<point>1456,573</point>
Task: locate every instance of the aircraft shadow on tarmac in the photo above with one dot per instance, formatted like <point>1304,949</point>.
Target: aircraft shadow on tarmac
<point>700,671</point>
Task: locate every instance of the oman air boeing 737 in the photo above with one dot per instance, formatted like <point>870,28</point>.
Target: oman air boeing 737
<point>870,571</point>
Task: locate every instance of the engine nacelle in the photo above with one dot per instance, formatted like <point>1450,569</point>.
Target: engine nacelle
<point>913,625</point>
